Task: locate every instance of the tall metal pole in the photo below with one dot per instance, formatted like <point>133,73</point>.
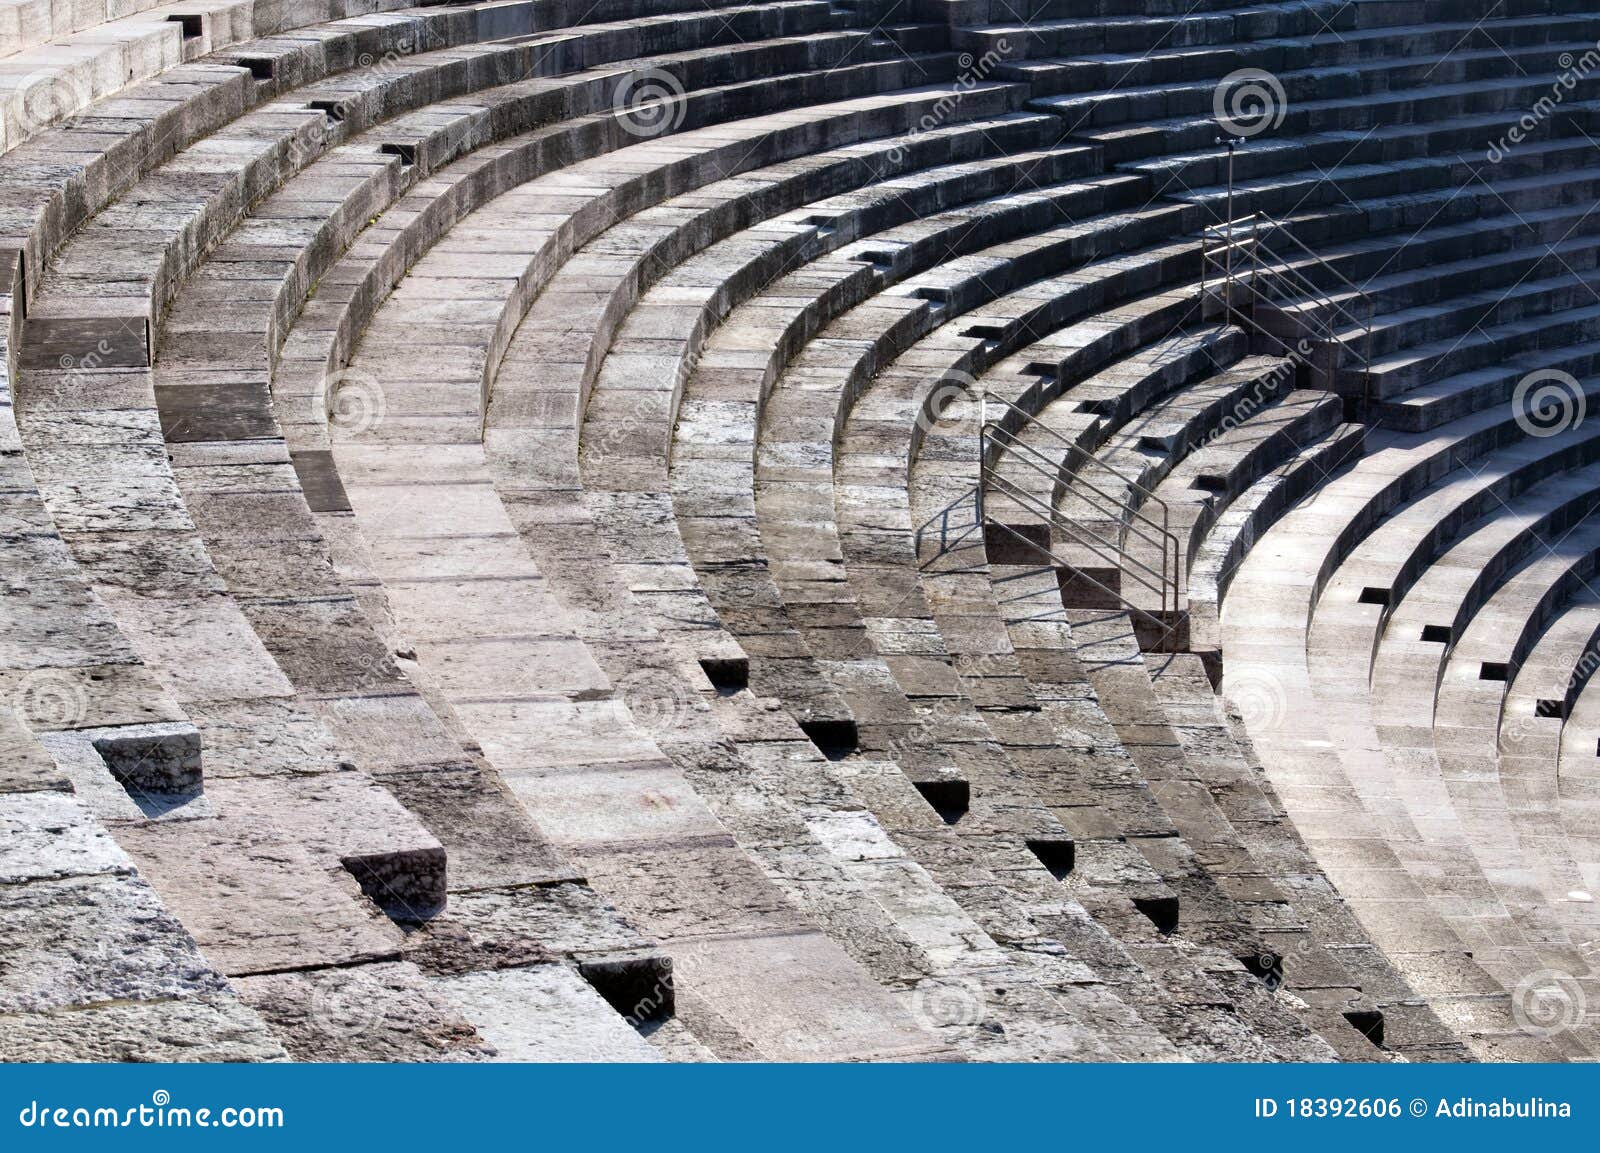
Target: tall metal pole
<point>1232,142</point>
<point>983,467</point>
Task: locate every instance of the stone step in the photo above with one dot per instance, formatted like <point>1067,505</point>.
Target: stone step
<point>1516,325</point>
<point>1433,562</point>
<point>363,860</point>
<point>1450,398</point>
<point>1336,794</point>
<point>58,59</point>
<point>937,356</point>
<point>1094,405</point>
<point>1539,175</point>
<point>907,311</point>
<point>1366,14</point>
<point>1103,803</point>
<point>95,966</point>
<point>1470,701</point>
<point>316,352</point>
<point>1432,322</point>
<point>1576,765</point>
<point>1317,99</point>
<point>608,849</point>
<point>1548,798</point>
<point>1232,24</point>
<point>1356,609</point>
<point>521,372</point>
<point>1103,492</point>
<point>65,176</point>
<point>1396,299</point>
<point>602,383</point>
<point>1256,437</point>
<point>1268,847</point>
<point>114,329</point>
<point>1244,521</point>
<point>1447,54</point>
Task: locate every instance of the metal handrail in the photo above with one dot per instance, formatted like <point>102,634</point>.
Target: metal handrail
<point>1318,296</point>
<point>1165,582</point>
<point>1058,561</point>
<point>1329,311</point>
<point>1274,226</point>
<point>1259,237</point>
<point>1321,297</point>
<point>1158,579</point>
<point>1113,505</point>
<point>1138,486</point>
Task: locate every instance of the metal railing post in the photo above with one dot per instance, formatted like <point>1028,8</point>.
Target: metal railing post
<point>983,457</point>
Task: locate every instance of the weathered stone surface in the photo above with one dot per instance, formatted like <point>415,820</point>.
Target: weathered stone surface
<point>255,900</point>
<point>381,1012</point>
<point>50,835</point>
<point>487,834</point>
<point>625,426</point>
<point>83,941</point>
<point>211,1027</point>
<point>545,1013</point>
<point>520,926</point>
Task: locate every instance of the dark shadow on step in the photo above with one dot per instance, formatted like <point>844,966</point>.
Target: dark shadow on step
<point>834,739</point>
<point>1369,1023</point>
<point>640,988</point>
<point>1162,911</point>
<point>1058,854</point>
<point>1266,966</point>
<point>949,798</point>
<point>947,528</point>
<point>728,675</point>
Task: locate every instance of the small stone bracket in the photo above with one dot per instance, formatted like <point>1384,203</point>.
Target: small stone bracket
<point>158,766</point>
